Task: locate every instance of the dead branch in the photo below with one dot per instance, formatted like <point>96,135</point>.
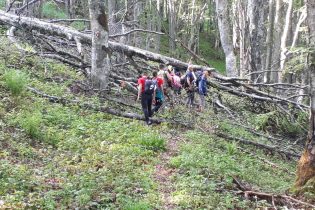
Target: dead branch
<point>273,165</point>
<point>136,30</point>
<point>11,37</point>
<point>259,145</point>
<point>191,52</point>
<point>10,5</point>
<point>21,9</point>
<point>272,198</point>
<point>217,100</point>
<point>68,20</point>
<point>280,85</point>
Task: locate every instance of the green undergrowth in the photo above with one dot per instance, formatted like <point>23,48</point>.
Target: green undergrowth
<point>56,156</point>
<point>65,157</point>
<point>206,166</point>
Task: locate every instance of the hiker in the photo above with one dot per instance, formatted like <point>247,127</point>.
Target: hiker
<point>202,89</point>
<point>165,74</point>
<point>177,86</point>
<point>159,96</point>
<point>190,86</point>
<point>146,90</point>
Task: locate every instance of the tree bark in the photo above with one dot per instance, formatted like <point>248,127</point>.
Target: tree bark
<point>100,58</point>
<point>277,41</point>
<point>172,25</point>
<point>243,34</point>
<point>255,11</point>
<point>284,50</point>
<point>222,8</point>
<point>306,165</point>
<point>269,41</point>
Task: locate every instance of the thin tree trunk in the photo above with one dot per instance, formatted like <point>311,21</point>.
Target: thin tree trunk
<point>298,25</point>
<point>100,58</point>
<point>270,41</point>
<point>277,41</point>
<point>172,25</point>
<point>222,8</point>
<point>284,38</point>
<point>242,41</point>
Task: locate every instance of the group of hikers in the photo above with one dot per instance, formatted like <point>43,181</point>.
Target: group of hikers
<point>153,89</point>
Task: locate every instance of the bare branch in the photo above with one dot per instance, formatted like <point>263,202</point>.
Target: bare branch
<point>136,30</point>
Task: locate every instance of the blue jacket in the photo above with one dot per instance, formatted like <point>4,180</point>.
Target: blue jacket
<point>202,85</point>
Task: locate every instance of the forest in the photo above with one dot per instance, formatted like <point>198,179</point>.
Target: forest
<point>157,104</point>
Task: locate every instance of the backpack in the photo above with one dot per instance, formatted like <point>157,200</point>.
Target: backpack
<point>183,80</point>
<point>149,86</point>
<point>198,76</point>
<point>167,81</point>
<point>177,81</point>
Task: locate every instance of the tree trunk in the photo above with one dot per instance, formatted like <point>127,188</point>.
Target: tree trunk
<point>243,33</point>
<point>222,8</point>
<point>306,165</point>
<point>255,10</point>
<point>172,25</point>
<point>269,41</point>
<point>111,12</point>
<point>284,38</point>
<point>70,8</point>
<point>277,41</point>
<point>100,58</point>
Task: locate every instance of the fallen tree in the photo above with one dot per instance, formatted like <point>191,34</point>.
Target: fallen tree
<point>246,90</point>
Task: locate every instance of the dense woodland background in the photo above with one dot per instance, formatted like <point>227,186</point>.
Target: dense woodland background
<point>72,136</point>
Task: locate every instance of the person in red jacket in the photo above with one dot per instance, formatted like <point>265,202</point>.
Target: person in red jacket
<point>146,90</point>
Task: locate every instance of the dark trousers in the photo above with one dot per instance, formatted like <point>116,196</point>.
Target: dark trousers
<point>190,98</point>
<point>146,103</point>
<point>158,104</point>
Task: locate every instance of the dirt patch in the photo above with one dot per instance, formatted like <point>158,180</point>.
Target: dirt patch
<point>163,173</point>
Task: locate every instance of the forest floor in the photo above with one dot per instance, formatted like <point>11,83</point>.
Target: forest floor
<point>61,156</point>
<point>163,173</point>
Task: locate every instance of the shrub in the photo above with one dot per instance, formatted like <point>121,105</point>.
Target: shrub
<point>16,81</point>
<point>31,124</point>
<point>154,143</point>
<point>278,122</point>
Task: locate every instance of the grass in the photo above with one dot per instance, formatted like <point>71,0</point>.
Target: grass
<point>96,161</point>
<point>206,166</point>
<point>57,157</point>
<point>15,81</point>
<point>64,157</point>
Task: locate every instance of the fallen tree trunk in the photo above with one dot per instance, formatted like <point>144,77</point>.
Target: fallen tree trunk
<point>71,34</point>
<point>55,29</point>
